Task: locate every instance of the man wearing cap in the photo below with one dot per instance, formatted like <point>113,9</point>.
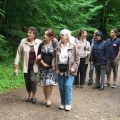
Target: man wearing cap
<point>99,58</point>
<point>113,56</point>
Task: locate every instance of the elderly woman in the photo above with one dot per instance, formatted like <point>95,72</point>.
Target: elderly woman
<point>67,61</point>
<point>27,50</point>
<point>46,58</point>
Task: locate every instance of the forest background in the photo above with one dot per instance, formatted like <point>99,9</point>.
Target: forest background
<point>16,16</point>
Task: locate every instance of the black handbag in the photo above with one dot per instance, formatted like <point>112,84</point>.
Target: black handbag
<point>47,58</point>
<point>62,67</point>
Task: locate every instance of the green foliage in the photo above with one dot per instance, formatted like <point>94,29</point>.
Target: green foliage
<point>108,17</point>
<point>4,49</point>
<point>8,80</point>
<point>55,14</point>
<point>2,12</point>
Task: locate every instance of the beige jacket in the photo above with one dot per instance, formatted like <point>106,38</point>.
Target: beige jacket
<point>23,53</point>
<point>73,58</point>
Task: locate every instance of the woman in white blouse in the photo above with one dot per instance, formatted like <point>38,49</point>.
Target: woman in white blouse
<point>67,61</point>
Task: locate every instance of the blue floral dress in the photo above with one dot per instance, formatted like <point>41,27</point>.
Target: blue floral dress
<point>48,76</point>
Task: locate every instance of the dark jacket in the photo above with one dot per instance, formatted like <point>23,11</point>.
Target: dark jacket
<point>100,53</point>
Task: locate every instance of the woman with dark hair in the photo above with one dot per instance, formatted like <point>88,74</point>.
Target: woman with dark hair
<point>46,58</point>
<point>27,50</point>
<point>83,49</point>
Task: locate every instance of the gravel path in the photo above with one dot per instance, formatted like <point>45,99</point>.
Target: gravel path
<point>87,104</point>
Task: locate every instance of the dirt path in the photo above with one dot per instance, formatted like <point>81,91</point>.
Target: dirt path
<point>87,104</point>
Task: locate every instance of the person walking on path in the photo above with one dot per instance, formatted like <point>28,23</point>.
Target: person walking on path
<point>90,81</point>
<point>113,57</point>
<point>27,51</point>
<point>46,59</point>
<point>99,58</point>
<point>67,61</point>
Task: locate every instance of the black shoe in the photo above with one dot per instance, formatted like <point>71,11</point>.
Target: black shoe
<point>28,100</point>
<point>89,83</point>
<point>33,100</point>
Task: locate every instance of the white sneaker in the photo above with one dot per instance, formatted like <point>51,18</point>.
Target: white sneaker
<point>113,86</point>
<point>68,107</point>
<point>62,107</point>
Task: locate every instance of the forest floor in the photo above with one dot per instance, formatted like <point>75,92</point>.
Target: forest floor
<point>87,104</point>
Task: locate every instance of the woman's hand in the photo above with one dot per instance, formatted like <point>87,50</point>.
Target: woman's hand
<point>16,69</point>
<point>38,57</point>
<point>44,64</point>
<point>15,66</point>
<point>72,70</point>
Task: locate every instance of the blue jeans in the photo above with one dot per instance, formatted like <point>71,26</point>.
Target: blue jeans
<point>91,72</point>
<point>65,88</point>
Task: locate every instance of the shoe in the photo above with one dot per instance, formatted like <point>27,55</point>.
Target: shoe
<point>28,100</point>
<point>96,87</point>
<point>102,88</point>
<point>62,107</point>
<point>107,85</point>
<point>89,83</point>
<point>48,104</point>
<point>67,107</point>
<point>33,100</point>
<point>113,86</point>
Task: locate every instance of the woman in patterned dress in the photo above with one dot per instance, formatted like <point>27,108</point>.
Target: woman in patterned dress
<point>46,58</point>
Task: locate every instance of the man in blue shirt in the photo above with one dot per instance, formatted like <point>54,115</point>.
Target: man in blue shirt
<point>113,57</point>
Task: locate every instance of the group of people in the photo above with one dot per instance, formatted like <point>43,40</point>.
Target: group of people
<point>104,58</point>
<point>66,62</point>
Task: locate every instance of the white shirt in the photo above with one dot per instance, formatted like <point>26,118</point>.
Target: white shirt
<point>63,58</point>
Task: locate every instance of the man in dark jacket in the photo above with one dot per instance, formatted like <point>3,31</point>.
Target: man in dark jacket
<point>99,58</point>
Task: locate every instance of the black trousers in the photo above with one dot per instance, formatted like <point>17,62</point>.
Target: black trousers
<point>30,80</point>
<point>81,75</point>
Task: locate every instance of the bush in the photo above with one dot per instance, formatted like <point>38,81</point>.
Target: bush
<point>4,49</point>
<point>8,80</point>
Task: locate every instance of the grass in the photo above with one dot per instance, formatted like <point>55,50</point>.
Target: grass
<point>8,80</point>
